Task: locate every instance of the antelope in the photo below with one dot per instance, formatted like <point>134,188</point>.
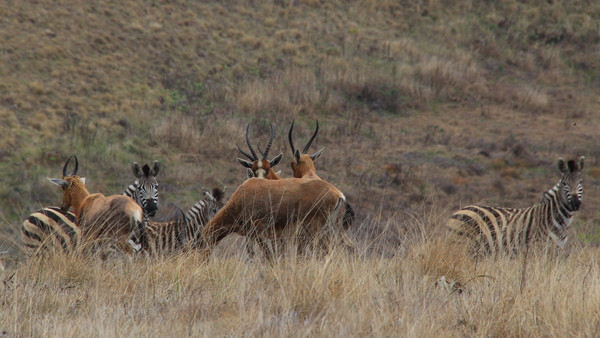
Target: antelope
<point>303,165</point>
<point>115,217</point>
<point>260,168</point>
<point>270,207</point>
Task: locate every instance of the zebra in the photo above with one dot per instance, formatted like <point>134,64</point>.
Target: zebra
<point>51,228</point>
<point>54,229</point>
<point>186,230</point>
<point>145,189</point>
<point>492,230</point>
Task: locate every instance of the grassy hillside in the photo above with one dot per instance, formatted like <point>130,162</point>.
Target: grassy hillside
<point>423,107</point>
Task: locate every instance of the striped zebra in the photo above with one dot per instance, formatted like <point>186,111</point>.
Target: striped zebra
<point>492,230</point>
<point>54,229</point>
<point>145,188</point>
<point>186,229</point>
<point>51,228</point>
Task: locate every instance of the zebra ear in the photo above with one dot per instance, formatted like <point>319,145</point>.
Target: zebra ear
<point>580,163</point>
<point>155,169</point>
<point>317,154</point>
<point>137,171</point>
<point>245,163</point>
<point>58,181</point>
<point>562,166</point>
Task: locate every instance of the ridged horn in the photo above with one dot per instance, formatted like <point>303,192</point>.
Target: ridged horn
<point>305,150</point>
<point>250,145</point>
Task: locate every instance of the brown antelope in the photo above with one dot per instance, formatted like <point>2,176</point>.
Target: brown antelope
<point>303,164</point>
<point>260,168</point>
<point>262,207</point>
<point>116,217</point>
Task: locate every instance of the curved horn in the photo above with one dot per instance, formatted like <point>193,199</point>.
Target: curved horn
<point>67,164</point>
<point>246,154</point>
<point>65,167</point>
<point>250,145</point>
<point>269,144</point>
<point>311,139</point>
<point>76,166</point>
<point>290,137</point>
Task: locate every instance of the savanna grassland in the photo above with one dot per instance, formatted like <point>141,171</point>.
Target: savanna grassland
<point>423,107</point>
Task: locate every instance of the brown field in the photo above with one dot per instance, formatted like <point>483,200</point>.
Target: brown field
<point>423,107</point>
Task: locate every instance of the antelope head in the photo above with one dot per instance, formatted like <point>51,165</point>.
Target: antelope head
<point>73,186</point>
<point>260,168</point>
<point>303,164</point>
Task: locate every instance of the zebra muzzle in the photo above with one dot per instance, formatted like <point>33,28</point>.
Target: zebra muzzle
<point>575,203</point>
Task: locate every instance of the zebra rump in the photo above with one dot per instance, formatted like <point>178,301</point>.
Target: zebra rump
<point>51,229</point>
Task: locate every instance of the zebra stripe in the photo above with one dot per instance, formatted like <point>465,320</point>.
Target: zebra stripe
<point>169,237</point>
<point>493,230</point>
<point>51,229</point>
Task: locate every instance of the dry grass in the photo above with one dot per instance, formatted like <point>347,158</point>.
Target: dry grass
<point>341,294</point>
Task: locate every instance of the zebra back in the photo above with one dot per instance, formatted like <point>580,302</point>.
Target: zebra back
<point>493,230</point>
<point>50,229</point>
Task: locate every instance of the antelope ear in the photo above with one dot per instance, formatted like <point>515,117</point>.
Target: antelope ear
<point>580,163</point>
<point>82,180</point>
<point>249,173</point>
<point>317,154</point>
<point>278,173</point>
<point>137,171</point>
<point>245,163</point>
<point>297,155</point>
<point>275,161</point>
<point>155,169</point>
<point>58,181</point>
<point>562,166</point>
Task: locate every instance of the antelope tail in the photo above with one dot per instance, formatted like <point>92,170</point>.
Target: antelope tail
<point>138,239</point>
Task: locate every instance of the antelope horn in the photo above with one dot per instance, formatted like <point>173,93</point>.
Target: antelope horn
<point>76,166</point>
<point>311,139</point>
<point>67,164</point>
<point>250,145</point>
<point>65,167</point>
<point>245,154</point>
<point>290,137</point>
<point>269,144</point>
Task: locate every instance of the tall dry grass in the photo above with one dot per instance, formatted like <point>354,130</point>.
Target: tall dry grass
<point>419,287</point>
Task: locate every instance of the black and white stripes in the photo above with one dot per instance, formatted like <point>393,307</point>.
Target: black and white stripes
<point>186,229</point>
<point>492,230</point>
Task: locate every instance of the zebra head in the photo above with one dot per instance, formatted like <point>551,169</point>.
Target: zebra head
<point>146,194</point>
<point>570,186</point>
<point>214,201</point>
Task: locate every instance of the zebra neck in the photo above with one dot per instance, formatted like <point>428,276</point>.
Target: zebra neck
<point>557,216</point>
